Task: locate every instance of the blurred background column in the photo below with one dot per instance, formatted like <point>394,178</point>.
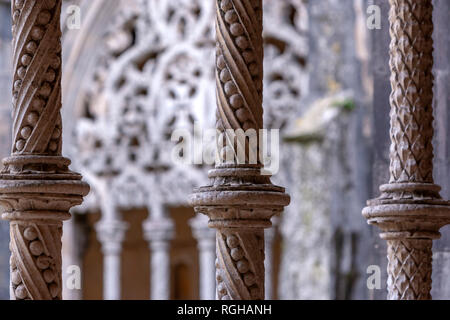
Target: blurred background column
<point>269,238</point>
<point>159,231</point>
<point>111,234</point>
<point>5,131</point>
<point>206,244</point>
<point>410,210</point>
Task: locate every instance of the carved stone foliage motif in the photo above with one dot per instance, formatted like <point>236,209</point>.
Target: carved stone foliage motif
<point>154,74</point>
<point>152,78</point>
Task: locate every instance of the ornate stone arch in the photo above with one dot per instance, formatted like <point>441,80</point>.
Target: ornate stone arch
<point>139,69</point>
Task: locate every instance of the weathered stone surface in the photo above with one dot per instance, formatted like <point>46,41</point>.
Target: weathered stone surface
<point>343,158</point>
<point>240,201</point>
<point>170,55</point>
<point>410,210</point>
<point>308,254</point>
<point>37,189</point>
<point>355,245</point>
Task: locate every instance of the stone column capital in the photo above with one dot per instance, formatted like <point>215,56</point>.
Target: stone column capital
<point>158,230</point>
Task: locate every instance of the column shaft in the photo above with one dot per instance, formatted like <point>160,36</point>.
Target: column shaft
<point>112,287</point>
<point>240,264</point>
<point>409,269</point>
<point>411,63</point>
<point>268,262</point>
<point>241,198</point>
<point>410,210</point>
<point>111,234</point>
<point>207,256</point>
<point>158,231</point>
<point>206,244</point>
<point>160,275</point>
<point>36,187</point>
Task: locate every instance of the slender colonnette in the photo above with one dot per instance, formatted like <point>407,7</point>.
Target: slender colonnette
<point>410,210</point>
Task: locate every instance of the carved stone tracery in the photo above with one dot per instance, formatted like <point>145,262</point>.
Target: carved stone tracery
<point>155,73</point>
<point>150,79</point>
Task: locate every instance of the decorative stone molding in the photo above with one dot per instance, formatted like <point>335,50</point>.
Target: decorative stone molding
<point>37,189</point>
<point>142,55</point>
<point>410,210</point>
<point>164,64</point>
<point>240,200</point>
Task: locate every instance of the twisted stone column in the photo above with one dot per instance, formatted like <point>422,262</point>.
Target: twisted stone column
<point>410,210</point>
<point>36,187</point>
<point>240,200</point>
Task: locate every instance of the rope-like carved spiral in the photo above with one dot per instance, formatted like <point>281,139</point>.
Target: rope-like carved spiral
<point>240,265</point>
<point>35,261</point>
<point>240,200</point>
<point>239,67</point>
<point>37,77</point>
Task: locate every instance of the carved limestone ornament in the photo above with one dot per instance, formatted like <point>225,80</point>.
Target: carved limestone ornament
<point>138,70</point>
<point>37,189</point>
<point>149,80</point>
<point>410,210</point>
<point>240,200</point>
<point>150,73</point>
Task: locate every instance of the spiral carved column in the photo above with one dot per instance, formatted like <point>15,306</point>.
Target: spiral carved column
<point>410,210</point>
<point>37,189</point>
<point>241,199</point>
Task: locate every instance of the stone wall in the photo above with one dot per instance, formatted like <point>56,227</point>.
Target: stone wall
<point>353,152</point>
<point>441,266</point>
<point>338,64</point>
